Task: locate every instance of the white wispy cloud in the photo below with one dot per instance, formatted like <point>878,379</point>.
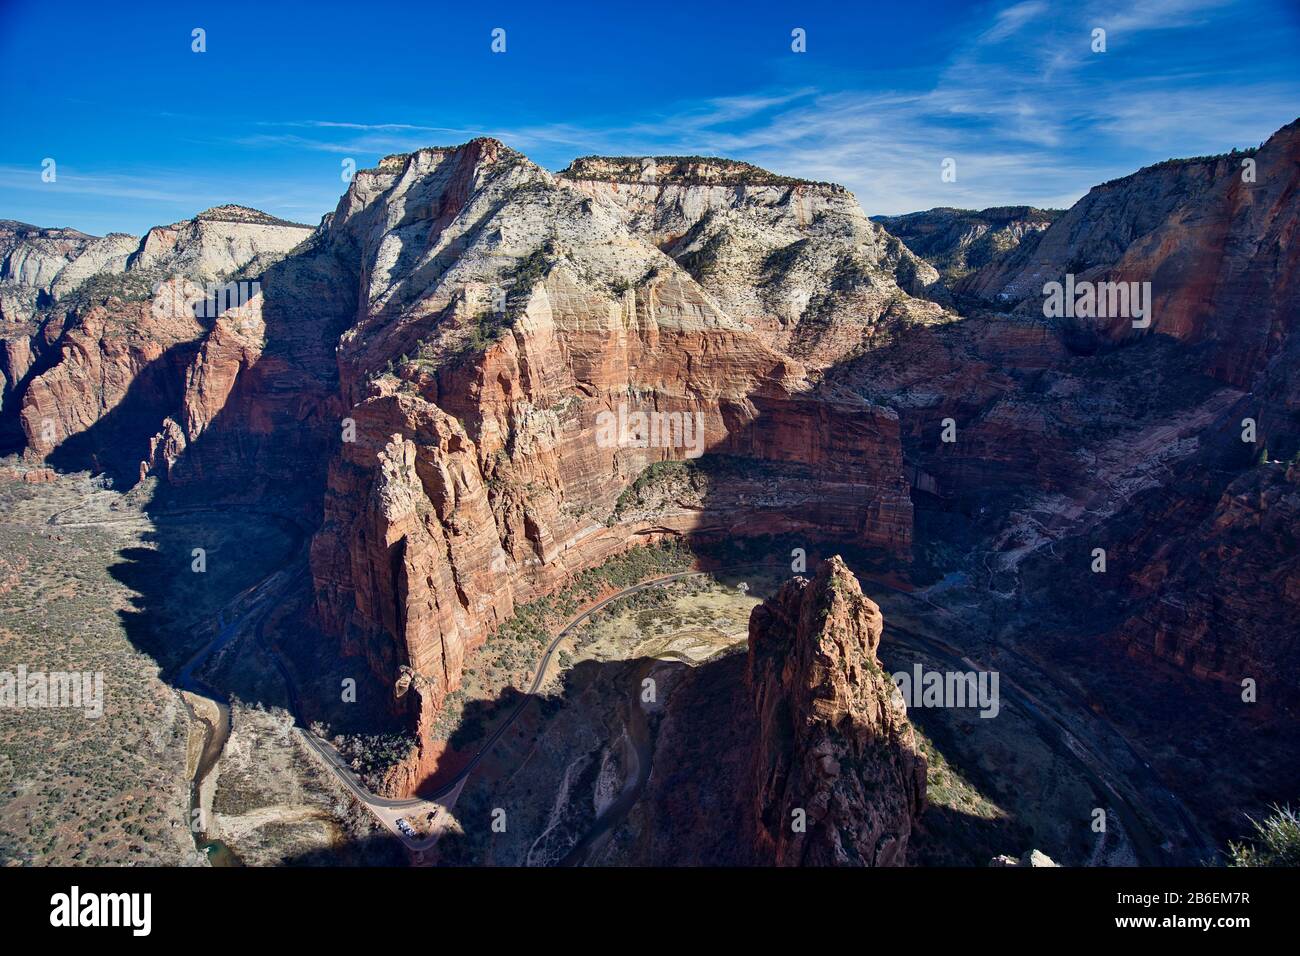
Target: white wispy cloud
<point>1022,109</point>
<point>71,181</point>
<point>1136,17</point>
<point>1025,107</point>
<point>1010,20</point>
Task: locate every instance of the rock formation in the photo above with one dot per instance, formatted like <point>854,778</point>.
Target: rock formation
<point>1213,236</point>
<point>1030,858</point>
<point>805,721</point>
<point>798,261</point>
<point>1222,599</point>
<point>837,777</point>
<point>507,314</point>
<point>960,241</point>
<point>89,322</point>
<point>1205,536</point>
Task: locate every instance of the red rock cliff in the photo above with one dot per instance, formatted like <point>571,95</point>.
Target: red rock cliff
<point>833,737</point>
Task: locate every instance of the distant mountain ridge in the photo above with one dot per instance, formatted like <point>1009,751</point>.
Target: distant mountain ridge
<point>960,241</point>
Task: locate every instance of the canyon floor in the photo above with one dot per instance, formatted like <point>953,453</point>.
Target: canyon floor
<point>113,580</point>
<point>567,783</point>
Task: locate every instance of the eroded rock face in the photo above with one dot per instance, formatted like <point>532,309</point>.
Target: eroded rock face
<point>1129,438</point>
<point>833,739</point>
<point>217,243</point>
<point>960,241</point>
<point>34,262</point>
<point>33,257</point>
<point>115,349</point>
<point>797,261</point>
<point>805,720</point>
<point>512,327</point>
<point>109,357</point>
<point>1222,599</point>
<point>448,372</point>
<point>1216,245</point>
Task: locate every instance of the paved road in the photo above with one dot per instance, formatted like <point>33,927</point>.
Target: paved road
<point>383,807</point>
<point>540,675</point>
<point>1146,839</point>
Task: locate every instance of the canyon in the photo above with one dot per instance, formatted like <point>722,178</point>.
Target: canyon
<point>421,380</point>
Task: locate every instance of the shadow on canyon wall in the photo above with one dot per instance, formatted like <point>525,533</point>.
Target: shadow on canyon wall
<point>257,469</point>
<point>267,450</point>
<point>688,805</point>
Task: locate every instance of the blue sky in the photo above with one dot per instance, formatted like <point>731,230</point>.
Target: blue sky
<point>145,131</point>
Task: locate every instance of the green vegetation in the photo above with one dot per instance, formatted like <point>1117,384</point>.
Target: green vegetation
<point>657,475</point>
<point>677,170</point>
<point>1276,841</point>
<point>779,261</point>
<point>486,329</point>
<point>99,288</point>
<point>106,589</point>
<point>533,269</point>
<point>372,755</point>
<point>702,262</point>
<point>1185,161</point>
<point>447,348</point>
<point>694,475</point>
<point>511,653</point>
<point>231,213</point>
<point>623,570</point>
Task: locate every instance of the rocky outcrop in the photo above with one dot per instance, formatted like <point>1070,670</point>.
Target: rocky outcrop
<point>34,263</point>
<point>960,241</point>
<point>33,257</point>
<point>805,721</point>
<point>797,261</point>
<point>837,777</point>
<point>217,244</point>
<point>1221,599</point>
<point>115,349</point>
<point>120,358</point>
<point>1030,858</point>
<point>1201,533</point>
<point>486,378</point>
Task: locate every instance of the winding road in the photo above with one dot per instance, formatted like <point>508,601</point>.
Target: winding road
<point>1149,839</point>
<point>389,810</point>
<point>1146,838</point>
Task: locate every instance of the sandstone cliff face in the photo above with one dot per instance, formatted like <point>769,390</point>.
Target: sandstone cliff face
<point>113,349</point>
<point>261,391</point>
<point>217,243</point>
<point>1219,252</point>
<point>806,720</point>
<point>104,257</point>
<point>33,257</point>
<point>455,340</point>
<point>833,739</point>
<point>507,316</point>
<point>1222,599</point>
<point>1218,249</point>
<point>106,349</point>
<point>797,261</point>
<point>35,265</point>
